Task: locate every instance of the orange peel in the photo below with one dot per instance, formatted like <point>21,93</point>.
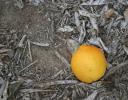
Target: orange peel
<point>88,63</point>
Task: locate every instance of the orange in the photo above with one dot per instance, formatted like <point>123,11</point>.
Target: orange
<point>88,63</point>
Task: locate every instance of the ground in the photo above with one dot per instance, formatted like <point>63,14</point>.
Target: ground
<point>42,71</point>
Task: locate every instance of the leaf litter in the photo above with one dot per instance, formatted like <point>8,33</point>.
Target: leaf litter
<point>103,23</point>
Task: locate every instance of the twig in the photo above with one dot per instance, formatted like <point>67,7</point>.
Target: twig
<point>92,96</point>
<point>52,30</point>
<point>64,40</point>
<point>94,23</point>
<point>4,50</point>
<point>1,45</point>
<point>3,91</point>
<point>87,14</point>
<point>97,41</point>
<point>53,96</point>
<point>36,90</point>
<point>125,49</point>
<point>37,96</point>
<point>103,45</point>
<point>81,29</point>
<point>92,18</point>
<point>29,50</point>
<point>58,73</point>
<point>96,3</point>
<point>62,59</point>
<point>82,32</point>
<point>21,52</point>
<point>110,26</point>
<point>21,41</point>
<point>77,21</point>
<point>2,84</point>
<point>59,82</point>
<point>65,28</point>
<point>72,45</point>
<point>28,66</point>
<point>62,94</point>
<point>40,44</point>
<point>87,85</point>
<point>24,50</point>
<point>114,69</point>
<point>3,28</point>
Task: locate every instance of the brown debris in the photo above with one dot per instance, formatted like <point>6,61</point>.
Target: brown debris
<point>126,15</point>
<point>109,13</point>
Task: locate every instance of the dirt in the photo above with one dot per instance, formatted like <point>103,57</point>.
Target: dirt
<point>35,24</point>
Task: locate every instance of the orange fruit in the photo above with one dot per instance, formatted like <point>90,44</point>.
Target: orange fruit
<point>88,63</point>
